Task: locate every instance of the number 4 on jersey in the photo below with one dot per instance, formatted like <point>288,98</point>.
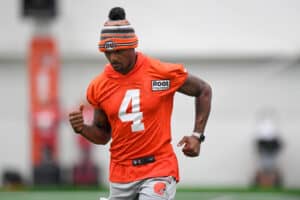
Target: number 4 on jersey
<point>135,116</point>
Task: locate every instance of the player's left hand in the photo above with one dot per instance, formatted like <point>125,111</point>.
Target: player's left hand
<point>191,146</point>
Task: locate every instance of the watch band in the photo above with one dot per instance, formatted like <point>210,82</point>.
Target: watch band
<point>200,136</point>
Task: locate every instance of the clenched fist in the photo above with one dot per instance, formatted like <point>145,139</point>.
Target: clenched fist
<point>191,146</point>
<point>76,120</point>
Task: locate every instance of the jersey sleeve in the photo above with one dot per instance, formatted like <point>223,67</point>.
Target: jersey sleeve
<point>177,74</point>
<point>174,74</point>
<point>92,95</point>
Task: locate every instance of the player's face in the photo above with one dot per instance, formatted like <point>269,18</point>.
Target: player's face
<point>121,60</point>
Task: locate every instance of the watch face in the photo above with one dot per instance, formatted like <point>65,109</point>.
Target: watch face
<point>202,138</point>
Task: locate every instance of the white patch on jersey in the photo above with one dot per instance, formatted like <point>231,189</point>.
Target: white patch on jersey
<point>159,85</point>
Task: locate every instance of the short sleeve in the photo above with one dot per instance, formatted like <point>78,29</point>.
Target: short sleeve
<point>172,76</point>
<point>91,95</point>
<point>177,75</point>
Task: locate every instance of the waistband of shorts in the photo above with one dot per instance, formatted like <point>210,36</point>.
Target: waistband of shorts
<point>131,162</point>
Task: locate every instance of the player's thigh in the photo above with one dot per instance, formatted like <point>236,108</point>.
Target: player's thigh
<point>161,188</point>
<point>127,191</point>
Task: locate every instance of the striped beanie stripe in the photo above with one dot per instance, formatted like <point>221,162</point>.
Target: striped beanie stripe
<point>117,35</point>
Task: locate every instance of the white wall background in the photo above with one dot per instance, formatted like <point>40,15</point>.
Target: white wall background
<point>202,27</point>
<point>173,29</point>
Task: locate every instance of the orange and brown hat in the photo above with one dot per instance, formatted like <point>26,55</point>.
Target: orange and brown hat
<point>117,32</point>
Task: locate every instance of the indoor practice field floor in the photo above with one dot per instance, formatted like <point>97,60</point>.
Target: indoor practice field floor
<point>181,195</point>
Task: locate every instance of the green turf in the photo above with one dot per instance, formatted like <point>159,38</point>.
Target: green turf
<point>181,195</point>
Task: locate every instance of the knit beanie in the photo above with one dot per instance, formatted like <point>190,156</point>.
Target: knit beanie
<point>117,32</point>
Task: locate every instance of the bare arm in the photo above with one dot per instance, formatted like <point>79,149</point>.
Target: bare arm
<point>202,92</point>
<point>99,132</point>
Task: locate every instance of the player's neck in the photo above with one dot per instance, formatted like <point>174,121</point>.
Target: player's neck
<point>131,65</point>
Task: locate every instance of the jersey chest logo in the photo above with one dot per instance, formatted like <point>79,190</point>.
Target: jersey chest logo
<point>159,85</point>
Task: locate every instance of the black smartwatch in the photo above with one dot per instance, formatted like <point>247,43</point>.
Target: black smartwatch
<point>200,136</point>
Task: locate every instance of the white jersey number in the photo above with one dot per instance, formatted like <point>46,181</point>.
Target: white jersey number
<point>135,116</point>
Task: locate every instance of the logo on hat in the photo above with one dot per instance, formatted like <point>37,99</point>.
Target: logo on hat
<point>109,45</point>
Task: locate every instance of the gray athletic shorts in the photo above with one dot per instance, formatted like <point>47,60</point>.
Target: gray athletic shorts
<point>159,188</point>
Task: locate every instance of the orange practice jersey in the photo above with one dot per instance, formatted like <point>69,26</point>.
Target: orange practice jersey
<point>139,106</point>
